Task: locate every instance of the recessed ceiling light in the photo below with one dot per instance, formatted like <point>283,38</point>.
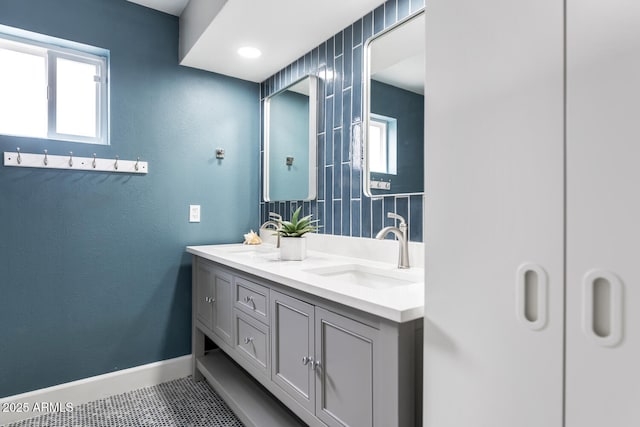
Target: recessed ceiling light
<point>249,52</point>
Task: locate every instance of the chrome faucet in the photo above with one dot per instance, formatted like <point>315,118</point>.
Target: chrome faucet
<point>273,224</point>
<point>401,235</point>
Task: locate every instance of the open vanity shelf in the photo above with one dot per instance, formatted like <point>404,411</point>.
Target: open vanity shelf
<point>253,404</point>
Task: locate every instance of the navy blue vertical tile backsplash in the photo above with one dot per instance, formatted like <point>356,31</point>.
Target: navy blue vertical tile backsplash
<point>341,205</point>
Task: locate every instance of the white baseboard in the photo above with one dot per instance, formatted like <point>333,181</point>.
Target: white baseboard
<point>74,393</point>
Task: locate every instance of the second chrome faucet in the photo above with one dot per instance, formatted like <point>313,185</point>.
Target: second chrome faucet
<point>403,239</point>
<point>271,224</point>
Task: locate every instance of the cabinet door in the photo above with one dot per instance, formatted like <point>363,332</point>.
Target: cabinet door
<point>292,348</point>
<point>204,293</point>
<point>344,368</point>
<point>494,213</point>
<point>223,306</point>
<point>603,213</point>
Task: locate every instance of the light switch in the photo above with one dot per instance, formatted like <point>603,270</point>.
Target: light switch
<point>194,213</point>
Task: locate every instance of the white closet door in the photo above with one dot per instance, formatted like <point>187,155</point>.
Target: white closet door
<point>603,213</point>
<point>494,203</point>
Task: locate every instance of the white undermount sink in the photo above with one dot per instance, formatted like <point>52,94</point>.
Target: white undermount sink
<point>369,277</point>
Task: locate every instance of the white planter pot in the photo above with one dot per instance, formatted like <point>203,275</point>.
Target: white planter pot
<point>293,248</point>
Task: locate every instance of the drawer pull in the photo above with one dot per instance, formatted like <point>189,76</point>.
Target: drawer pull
<point>248,340</point>
<point>249,300</point>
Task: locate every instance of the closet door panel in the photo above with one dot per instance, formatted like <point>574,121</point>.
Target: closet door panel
<point>603,213</point>
<point>494,212</point>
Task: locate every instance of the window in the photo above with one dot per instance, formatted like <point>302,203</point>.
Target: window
<point>383,144</point>
<point>52,92</point>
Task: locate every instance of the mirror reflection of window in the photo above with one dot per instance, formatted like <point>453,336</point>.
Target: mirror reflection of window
<point>383,144</point>
<point>377,146</point>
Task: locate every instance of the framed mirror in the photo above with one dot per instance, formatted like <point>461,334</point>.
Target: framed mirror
<point>290,142</point>
<point>393,116</point>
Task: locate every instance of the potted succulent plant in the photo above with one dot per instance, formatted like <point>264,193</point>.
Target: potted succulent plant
<point>293,245</point>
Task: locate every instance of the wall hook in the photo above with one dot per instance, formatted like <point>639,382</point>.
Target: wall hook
<point>289,160</point>
<point>74,163</point>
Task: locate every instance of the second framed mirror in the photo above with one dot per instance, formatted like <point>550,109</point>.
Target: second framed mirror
<point>393,116</point>
<point>290,142</point>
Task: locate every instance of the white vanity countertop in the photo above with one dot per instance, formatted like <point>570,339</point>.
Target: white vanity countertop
<point>400,303</point>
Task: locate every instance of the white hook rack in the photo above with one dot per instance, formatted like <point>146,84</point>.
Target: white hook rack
<point>70,162</point>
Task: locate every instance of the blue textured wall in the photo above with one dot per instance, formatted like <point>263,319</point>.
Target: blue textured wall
<point>408,108</point>
<point>289,136</point>
<point>93,274</point>
<point>341,206</point>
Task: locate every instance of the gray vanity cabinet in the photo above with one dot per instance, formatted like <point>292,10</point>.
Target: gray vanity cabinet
<point>329,364</point>
<point>214,306</point>
<point>292,347</point>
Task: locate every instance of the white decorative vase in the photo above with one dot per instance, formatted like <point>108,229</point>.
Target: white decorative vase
<point>293,248</point>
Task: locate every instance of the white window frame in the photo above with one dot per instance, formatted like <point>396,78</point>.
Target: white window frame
<point>51,53</point>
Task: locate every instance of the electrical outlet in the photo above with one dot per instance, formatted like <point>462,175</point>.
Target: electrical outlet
<point>194,213</point>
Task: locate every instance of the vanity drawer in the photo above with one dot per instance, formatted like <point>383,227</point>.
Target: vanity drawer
<point>253,299</point>
<point>252,340</point>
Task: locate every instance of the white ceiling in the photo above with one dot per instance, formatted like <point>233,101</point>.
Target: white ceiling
<point>172,7</point>
<point>283,30</point>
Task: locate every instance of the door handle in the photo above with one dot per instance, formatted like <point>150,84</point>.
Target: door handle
<point>602,307</point>
<point>532,285</point>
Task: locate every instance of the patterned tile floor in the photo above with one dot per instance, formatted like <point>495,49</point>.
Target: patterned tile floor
<point>178,403</point>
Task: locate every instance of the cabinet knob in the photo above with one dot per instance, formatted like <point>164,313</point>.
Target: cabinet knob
<point>248,299</point>
<point>209,300</point>
<point>248,340</point>
<point>306,360</point>
<point>316,365</point>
